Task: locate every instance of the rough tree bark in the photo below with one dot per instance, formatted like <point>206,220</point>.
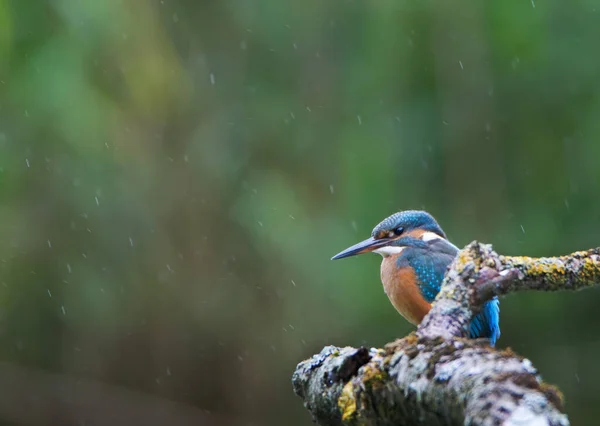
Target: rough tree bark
<point>436,376</point>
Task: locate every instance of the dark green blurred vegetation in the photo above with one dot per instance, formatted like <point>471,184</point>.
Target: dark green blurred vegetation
<point>176,174</point>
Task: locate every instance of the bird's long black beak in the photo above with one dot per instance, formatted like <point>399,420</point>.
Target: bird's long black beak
<point>365,246</point>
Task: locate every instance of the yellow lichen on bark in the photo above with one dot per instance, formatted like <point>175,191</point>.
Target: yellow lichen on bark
<point>373,376</point>
<point>347,402</point>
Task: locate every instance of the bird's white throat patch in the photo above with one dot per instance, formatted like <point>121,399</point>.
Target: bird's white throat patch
<point>388,250</point>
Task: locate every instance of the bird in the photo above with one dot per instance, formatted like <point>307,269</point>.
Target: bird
<point>416,254</point>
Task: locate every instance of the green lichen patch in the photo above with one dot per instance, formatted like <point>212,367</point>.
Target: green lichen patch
<point>590,271</point>
<point>372,376</point>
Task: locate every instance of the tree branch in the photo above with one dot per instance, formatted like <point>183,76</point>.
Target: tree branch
<point>438,377</point>
<point>478,273</point>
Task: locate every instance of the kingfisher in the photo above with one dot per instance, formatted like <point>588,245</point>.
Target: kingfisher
<point>416,254</point>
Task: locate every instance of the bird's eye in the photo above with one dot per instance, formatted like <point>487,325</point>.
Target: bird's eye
<point>399,230</point>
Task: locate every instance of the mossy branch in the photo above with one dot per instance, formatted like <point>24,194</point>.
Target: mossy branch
<point>435,376</point>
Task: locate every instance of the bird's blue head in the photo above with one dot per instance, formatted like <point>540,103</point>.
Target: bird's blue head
<point>395,232</point>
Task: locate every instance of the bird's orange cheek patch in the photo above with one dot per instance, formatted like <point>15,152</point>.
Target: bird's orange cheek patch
<point>416,233</point>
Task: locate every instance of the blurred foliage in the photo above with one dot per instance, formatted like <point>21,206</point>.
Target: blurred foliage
<point>176,174</point>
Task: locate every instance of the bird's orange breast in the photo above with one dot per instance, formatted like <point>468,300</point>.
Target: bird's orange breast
<point>401,287</point>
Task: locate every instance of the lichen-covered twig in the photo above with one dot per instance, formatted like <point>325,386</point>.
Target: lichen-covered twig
<point>437,377</point>
<point>479,273</point>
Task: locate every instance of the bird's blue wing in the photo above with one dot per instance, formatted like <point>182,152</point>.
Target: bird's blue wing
<point>487,322</point>
<point>430,265</point>
<point>430,272</point>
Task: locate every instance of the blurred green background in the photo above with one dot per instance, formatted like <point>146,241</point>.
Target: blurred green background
<point>176,174</point>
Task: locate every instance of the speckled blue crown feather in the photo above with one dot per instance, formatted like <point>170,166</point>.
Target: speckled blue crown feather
<point>409,219</point>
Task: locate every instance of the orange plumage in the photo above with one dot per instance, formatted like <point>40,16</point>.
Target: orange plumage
<point>401,287</point>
